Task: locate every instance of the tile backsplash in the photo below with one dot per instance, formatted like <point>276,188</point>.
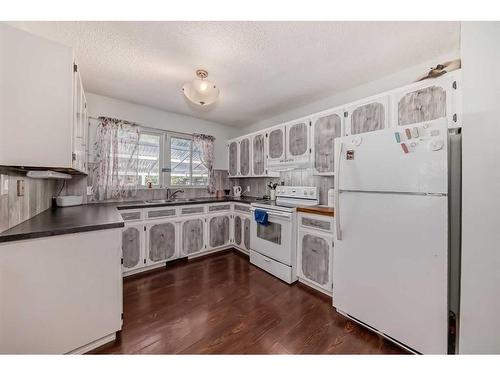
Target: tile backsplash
<point>296,177</point>
<point>15,209</point>
<point>38,193</point>
<point>78,186</point>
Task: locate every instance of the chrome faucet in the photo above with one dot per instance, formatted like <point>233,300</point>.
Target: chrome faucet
<point>171,195</point>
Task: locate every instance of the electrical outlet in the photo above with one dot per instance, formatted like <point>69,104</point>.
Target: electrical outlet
<point>20,188</point>
<point>248,189</point>
<point>90,191</point>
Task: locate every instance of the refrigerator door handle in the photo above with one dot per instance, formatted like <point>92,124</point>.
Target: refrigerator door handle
<point>337,192</point>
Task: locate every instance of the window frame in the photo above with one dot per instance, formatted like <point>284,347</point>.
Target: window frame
<point>161,158</point>
<point>167,166</point>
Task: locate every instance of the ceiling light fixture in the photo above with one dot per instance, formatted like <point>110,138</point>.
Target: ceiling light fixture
<point>201,91</point>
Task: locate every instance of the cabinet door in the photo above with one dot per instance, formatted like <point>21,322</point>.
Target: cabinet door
<point>218,231</point>
<point>368,116</point>
<point>258,155</point>
<point>85,129</point>
<point>233,158</point>
<point>161,242</point>
<point>315,258</point>
<point>193,236</point>
<point>132,247</point>
<point>276,144</point>
<point>325,129</point>
<point>238,230</point>
<point>426,101</point>
<point>244,161</point>
<point>297,141</point>
<point>246,232</point>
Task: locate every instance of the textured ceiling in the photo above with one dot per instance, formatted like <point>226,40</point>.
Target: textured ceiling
<point>261,68</point>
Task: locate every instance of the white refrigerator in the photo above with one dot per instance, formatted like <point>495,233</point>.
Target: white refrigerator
<point>390,269</point>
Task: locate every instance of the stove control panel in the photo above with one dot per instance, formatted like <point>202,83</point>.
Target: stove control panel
<point>300,192</point>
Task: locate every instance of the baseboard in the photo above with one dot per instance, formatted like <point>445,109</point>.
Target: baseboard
<point>209,252</point>
<point>243,251</point>
<point>94,345</point>
<point>144,269</point>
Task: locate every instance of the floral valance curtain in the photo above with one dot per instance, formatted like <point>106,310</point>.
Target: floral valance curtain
<point>115,172</point>
<point>205,143</point>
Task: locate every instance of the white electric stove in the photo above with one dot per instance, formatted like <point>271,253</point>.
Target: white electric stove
<point>273,246</point>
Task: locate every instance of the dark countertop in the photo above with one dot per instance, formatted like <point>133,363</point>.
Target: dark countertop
<point>57,221</point>
<point>84,218</point>
<point>181,202</point>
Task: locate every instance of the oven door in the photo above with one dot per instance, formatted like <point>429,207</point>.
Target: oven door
<point>273,240</point>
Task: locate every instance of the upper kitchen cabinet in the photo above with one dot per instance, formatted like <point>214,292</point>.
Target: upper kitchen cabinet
<point>248,156</point>
<point>233,158</point>
<point>325,128</point>
<point>276,145</point>
<point>298,149</point>
<point>42,104</point>
<point>367,115</point>
<point>288,146</point>
<point>259,154</point>
<point>429,100</point>
<point>245,157</point>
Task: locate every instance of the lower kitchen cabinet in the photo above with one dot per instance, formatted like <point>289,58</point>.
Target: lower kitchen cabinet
<point>315,252</point>
<point>193,236</point>
<point>218,230</point>
<point>154,236</point>
<point>161,242</point>
<point>133,247</point>
<point>241,232</point>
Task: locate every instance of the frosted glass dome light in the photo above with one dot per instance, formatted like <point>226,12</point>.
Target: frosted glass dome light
<point>201,91</point>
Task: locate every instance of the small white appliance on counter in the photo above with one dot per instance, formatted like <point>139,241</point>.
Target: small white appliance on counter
<point>273,246</point>
<point>396,259</point>
<point>237,191</point>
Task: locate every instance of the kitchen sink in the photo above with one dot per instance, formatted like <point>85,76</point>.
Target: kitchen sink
<point>159,201</point>
<point>176,200</point>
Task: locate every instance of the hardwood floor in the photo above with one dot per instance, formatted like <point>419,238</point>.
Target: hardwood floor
<point>223,304</point>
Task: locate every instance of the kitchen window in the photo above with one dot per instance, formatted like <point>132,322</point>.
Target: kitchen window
<point>150,158</point>
<point>186,168</point>
<point>163,158</point>
<point>139,160</point>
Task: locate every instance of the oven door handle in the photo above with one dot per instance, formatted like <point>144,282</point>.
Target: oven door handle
<point>287,216</point>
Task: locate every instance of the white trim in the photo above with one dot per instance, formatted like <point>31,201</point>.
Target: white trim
<point>167,163</point>
<point>94,344</point>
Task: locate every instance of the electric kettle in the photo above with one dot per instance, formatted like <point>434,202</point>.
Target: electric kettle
<point>237,191</point>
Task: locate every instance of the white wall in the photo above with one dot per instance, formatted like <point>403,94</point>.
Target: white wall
<point>386,83</point>
<point>104,106</point>
<point>480,287</point>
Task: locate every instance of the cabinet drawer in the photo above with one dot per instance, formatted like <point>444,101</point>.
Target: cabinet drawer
<point>158,213</point>
<point>219,207</point>
<point>242,208</point>
<point>316,222</point>
<point>275,268</point>
<point>192,210</point>
<point>131,215</point>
